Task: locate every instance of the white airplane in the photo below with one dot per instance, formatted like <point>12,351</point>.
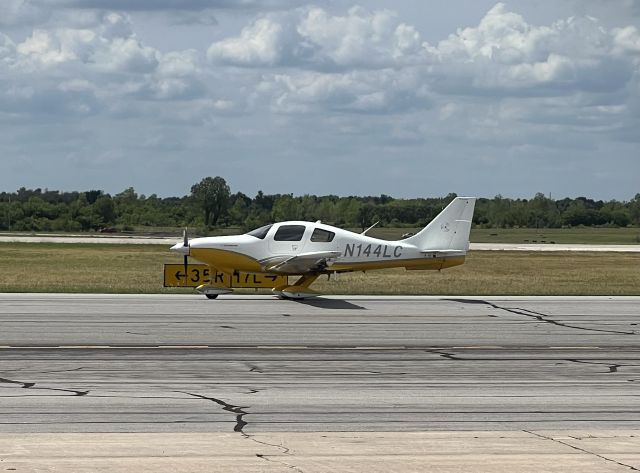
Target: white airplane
<point>308,250</point>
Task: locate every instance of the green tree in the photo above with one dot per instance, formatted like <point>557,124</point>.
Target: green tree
<point>264,202</point>
<point>92,195</point>
<point>212,193</point>
<point>257,217</point>
<point>326,210</point>
<point>239,212</point>
<point>285,207</point>
<point>105,209</point>
<point>634,209</point>
<point>366,215</point>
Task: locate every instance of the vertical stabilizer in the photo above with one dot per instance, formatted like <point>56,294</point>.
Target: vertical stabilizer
<point>449,230</point>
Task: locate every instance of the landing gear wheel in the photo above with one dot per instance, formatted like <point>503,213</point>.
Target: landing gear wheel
<point>211,296</point>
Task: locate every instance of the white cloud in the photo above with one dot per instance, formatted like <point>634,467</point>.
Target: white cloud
<point>44,48</point>
<point>260,44</point>
<point>367,61</point>
<point>109,45</point>
<point>382,91</point>
<point>627,40</point>
<point>360,38</point>
<point>312,38</point>
<point>83,70</point>
<point>360,62</point>
<point>126,55</point>
<point>506,55</point>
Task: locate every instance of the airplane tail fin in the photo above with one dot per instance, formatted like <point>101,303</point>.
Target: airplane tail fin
<point>449,230</point>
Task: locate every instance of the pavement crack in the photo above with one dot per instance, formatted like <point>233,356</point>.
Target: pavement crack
<point>613,368</point>
<point>63,371</point>
<point>238,410</point>
<point>267,458</point>
<point>22,384</point>
<point>444,354</point>
<point>240,425</point>
<point>33,386</point>
<point>539,316</point>
<point>253,368</point>
<point>282,448</point>
<point>632,468</point>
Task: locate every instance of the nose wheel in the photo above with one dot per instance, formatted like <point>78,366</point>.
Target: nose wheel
<point>211,292</point>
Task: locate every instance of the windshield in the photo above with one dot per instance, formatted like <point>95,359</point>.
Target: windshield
<point>260,232</point>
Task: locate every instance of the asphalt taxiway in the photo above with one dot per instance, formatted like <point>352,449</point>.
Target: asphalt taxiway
<point>471,370</point>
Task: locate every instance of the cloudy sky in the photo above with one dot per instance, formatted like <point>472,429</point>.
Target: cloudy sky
<point>408,98</point>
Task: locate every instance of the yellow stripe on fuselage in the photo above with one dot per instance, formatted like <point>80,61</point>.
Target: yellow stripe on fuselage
<point>226,260</point>
<point>415,263</point>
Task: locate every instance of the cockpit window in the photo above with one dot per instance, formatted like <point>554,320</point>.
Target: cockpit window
<point>322,236</point>
<point>260,232</point>
<point>289,233</point>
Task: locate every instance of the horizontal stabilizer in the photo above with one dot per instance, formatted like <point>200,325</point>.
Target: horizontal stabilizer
<point>442,253</point>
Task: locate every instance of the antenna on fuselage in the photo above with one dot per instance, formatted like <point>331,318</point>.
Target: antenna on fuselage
<point>365,232</point>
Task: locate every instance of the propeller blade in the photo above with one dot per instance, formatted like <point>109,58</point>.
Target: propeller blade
<point>185,244</point>
<point>186,266</point>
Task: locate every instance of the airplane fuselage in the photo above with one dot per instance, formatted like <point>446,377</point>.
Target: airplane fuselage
<point>354,252</point>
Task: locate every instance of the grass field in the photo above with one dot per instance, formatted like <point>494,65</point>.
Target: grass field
<point>586,235</point>
<point>96,268</point>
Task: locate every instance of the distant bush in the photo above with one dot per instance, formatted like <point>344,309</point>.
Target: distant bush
<point>45,210</point>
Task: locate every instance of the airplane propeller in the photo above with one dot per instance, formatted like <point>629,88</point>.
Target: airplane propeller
<point>185,244</point>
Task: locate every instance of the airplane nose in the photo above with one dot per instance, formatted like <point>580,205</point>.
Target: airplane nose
<point>180,248</point>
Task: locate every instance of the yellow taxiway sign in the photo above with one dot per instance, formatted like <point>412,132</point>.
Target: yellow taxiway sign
<point>198,274</point>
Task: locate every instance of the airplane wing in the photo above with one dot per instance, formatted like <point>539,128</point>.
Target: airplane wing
<point>303,263</point>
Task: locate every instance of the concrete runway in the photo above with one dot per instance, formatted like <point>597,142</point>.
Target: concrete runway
<point>516,371</point>
<point>159,363</point>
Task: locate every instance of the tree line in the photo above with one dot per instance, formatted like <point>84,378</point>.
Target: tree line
<point>211,205</point>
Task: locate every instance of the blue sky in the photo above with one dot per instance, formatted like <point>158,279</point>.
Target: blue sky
<point>407,98</point>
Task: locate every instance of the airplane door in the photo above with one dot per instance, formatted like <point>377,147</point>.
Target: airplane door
<point>321,240</point>
<point>288,239</point>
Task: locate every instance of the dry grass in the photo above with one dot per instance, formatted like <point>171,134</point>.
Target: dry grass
<point>505,273</point>
<point>95,268</point>
<point>26,267</point>
<point>582,235</point>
